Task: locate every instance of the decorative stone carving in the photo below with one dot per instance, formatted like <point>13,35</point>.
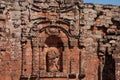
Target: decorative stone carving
<point>23,22</point>
<point>53,31</point>
<point>53,59</point>
<point>42,35</point>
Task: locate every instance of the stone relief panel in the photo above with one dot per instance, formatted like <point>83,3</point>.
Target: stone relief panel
<point>53,59</point>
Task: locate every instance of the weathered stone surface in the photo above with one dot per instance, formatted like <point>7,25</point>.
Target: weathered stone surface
<point>59,40</point>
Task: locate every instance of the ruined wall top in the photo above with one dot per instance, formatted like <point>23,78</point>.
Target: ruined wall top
<point>61,1</point>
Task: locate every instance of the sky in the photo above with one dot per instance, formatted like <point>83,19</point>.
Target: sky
<point>113,2</point>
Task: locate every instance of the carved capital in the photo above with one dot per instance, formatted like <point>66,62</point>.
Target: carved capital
<point>35,42</point>
<point>23,42</point>
<point>72,42</point>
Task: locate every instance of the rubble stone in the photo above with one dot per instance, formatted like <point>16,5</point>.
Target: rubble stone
<point>59,40</point>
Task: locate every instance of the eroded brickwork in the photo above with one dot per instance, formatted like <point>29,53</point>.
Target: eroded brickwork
<point>59,40</point>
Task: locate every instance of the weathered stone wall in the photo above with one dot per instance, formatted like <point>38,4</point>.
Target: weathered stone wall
<point>84,38</point>
<point>101,29</point>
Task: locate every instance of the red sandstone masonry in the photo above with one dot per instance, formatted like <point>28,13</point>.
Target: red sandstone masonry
<point>59,40</point>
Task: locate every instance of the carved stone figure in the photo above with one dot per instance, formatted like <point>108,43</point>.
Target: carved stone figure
<point>53,61</point>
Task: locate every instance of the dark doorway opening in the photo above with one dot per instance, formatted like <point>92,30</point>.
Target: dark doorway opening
<point>109,68</point>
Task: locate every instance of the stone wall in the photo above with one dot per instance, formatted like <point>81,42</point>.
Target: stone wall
<point>59,40</point>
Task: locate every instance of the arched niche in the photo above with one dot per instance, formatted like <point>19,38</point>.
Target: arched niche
<point>53,42</point>
<point>54,51</point>
<point>54,61</point>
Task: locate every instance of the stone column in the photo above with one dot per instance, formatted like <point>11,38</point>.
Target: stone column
<point>65,58</point>
<point>41,62</point>
<point>81,73</point>
<point>35,58</point>
<point>23,61</point>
